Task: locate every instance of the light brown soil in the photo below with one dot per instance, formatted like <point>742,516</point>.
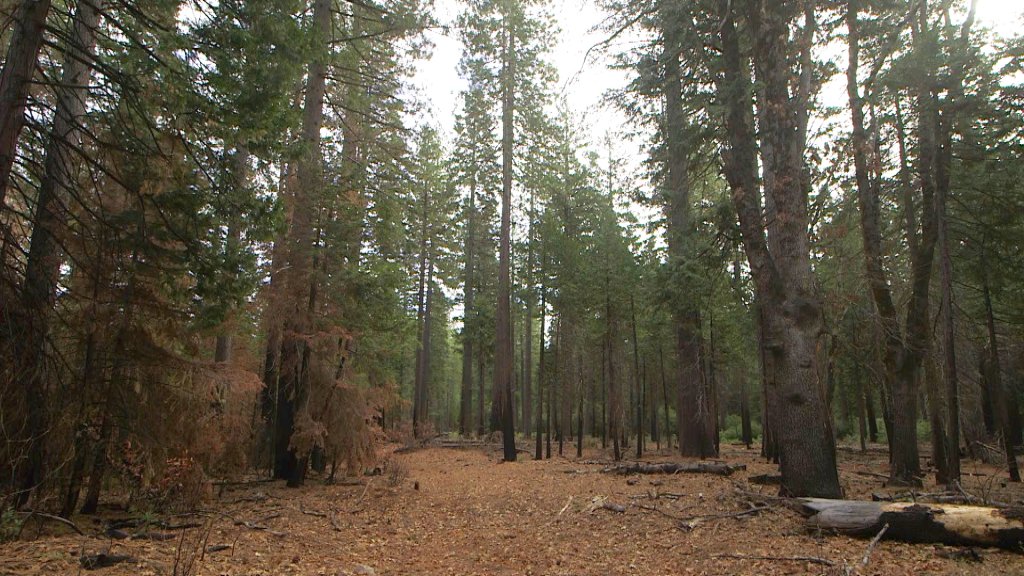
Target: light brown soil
<point>472,514</point>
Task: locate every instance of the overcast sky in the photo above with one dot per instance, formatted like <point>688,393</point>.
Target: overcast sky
<point>584,83</point>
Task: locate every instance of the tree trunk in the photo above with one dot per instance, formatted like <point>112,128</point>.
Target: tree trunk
<point>293,388</point>
<point>747,431</point>
<point>902,353</point>
<point>239,180</point>
<point>872,418</point>
<point>538,453</point>
<point>468,318</point>
<point>636,380</point>
<point>664,397</point>
<point>503,331</point>
<point>716,468</point>
<point>995,375</point>
<point>480,365</point>
<point>49,221</point>
<point>15,78</point>
<point>783,280</point>
<point>422,352</point>
<point>692,406</point>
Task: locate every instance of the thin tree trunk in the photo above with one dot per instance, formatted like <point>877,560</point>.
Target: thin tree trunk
<point>468,318</point>
<point>239,179</point>
<point>503,331</point>
<point>747,431</point>
<point>636,378</point>
<point>421,311</point>
<point>902,354</point>
<point>995,371</point>
<point>538,454</point>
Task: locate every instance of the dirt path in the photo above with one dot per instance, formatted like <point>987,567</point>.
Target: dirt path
<point>473,515</point>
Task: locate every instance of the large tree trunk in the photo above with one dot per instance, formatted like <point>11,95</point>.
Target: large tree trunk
<point>293,387</point>
<point>49,220</point>
<point>15,78</point>
<point>784,283</point>
<point>902,353</point>
<point>692,405</point>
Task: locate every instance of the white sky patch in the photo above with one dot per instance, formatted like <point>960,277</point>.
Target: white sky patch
<point>582,83</point>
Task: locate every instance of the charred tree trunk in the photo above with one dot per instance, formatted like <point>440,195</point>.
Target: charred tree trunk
<point>920,523</point>
<point>293,387</point>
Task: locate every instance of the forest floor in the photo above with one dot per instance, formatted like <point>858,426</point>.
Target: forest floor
<point>461,511</point>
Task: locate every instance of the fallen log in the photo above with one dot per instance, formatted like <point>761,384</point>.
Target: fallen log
<point>920,523</point>
<point>718,468</point>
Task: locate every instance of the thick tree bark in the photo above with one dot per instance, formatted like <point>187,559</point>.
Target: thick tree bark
<point>15,78</point>
<point>293,387</point>
<point>42,271</point>
<point>783,280</point>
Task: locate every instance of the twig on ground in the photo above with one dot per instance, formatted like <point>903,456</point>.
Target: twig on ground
<point>316,513</point>
<point>43,515</point>
<point>871,546</point>
<point>367,488</point>
<point>812,559</point>
<point>566,507</point>
<point>747,512</point>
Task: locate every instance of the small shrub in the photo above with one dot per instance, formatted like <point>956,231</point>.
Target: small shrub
<point>10,525</point>
<point>183,486</point>
<point>397,473</point>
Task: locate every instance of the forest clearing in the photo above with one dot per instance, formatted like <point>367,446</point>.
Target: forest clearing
<point>271,270</point>
<point>463,511</point>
